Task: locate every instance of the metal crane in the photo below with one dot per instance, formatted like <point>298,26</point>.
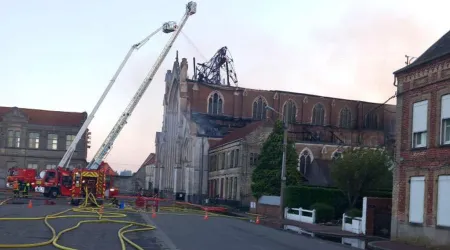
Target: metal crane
<point>167,27</point>
<point>209,72</point>
<point>191,9</point>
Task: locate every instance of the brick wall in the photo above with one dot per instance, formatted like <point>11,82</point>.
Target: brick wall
<point>269,211</point>
<point>238,102</point>
<point>429,82</point>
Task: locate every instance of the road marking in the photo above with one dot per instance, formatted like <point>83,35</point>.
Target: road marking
<point>167,242</point>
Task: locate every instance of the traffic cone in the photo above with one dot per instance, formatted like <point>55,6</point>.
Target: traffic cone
<point>30,204</point>
<point>153,213</point>
<point>257,220</point>
<point>206,215</point>
<point>101,209</point>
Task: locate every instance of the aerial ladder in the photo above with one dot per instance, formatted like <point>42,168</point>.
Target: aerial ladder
<point>167,27</point>
<point>191,9</point>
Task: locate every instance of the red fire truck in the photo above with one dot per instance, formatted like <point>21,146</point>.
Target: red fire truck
<point>73,183</point>
<point>21,174</point>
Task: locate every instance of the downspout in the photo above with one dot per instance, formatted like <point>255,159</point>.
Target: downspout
<point>201,172</point>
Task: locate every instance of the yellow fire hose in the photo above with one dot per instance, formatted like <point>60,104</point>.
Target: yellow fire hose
<point>106,217</point>
<point>103,217</point>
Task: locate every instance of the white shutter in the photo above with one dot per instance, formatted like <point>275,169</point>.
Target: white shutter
<point>420,118</point>
<point>443,206</point>
<point>445,107</point>
<point>416,199</point>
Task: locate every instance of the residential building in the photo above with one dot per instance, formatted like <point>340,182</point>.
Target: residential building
<point>233,159</point>
<point>38,139</point>
<point>422,175</point>
<point>126,173</point>
<point>198,114</point>
<point>145,175</point>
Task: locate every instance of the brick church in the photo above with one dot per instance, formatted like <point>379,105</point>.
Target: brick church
<point>212,131</point>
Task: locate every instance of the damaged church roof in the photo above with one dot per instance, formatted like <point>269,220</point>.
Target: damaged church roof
<point>238,134</point>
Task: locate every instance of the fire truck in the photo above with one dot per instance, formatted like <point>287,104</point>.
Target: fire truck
<point>58,182</point>
<point>25,175</point>
<point>73,183</point>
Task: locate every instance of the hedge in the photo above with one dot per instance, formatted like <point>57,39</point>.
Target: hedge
<point>305,197</point>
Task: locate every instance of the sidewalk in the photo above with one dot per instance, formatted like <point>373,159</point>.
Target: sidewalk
<point>392,245</point>
<point>322,229</point>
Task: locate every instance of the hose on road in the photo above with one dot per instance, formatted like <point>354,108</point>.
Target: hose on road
<point>85,212</point>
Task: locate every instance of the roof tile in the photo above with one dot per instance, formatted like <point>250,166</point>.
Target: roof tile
<point>439,49</point>
<point>151,159</point>
<point>238,134</point>
<point>49,117</point>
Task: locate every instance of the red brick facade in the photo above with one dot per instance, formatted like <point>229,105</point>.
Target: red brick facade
<point>238,102</point>
<point>429,80</point>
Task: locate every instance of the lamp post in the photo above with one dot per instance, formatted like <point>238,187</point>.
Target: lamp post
<point>283,164</point>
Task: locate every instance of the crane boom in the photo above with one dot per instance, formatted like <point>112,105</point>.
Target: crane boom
<point>167,27</point>
<point>191,8</point>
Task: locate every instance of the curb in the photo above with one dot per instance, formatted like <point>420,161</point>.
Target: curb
<point>338,235</point>
<point>373,247</point>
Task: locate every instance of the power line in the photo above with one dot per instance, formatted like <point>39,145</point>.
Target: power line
<point>370,111</point>
<point>124,164</point>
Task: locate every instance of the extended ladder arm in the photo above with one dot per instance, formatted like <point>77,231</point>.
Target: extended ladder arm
<point>166,27</point>
<point>191,8</point>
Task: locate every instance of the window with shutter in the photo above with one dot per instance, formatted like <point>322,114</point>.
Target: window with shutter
<point>445,119</point>
<point>419,124</point>
<point>443,203</point>
<point>416,199</point>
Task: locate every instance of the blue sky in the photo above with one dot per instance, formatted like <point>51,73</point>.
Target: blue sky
<point>60,55</point>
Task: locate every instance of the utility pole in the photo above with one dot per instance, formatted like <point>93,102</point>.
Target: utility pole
<point>283,170</point>
<point>283,163</point>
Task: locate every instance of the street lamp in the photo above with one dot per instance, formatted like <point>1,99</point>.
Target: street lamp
<point>283,163</point>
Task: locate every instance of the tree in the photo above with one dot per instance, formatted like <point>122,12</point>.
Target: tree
<point>361,170</point>
<point>266,177</point>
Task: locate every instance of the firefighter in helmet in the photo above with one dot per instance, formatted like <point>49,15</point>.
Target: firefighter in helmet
<point>26,189</point>
<point>16,189</point>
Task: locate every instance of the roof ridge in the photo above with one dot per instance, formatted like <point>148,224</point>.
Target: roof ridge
<point>438,49</point>
<point>45,110</point>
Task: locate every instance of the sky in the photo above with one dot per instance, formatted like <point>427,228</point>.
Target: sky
<point>60,55</point>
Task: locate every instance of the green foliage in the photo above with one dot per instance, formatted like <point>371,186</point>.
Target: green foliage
<point>324,212</point>
<point>304,196</point>
<point>266,177</point>
<point>354,212</point>
<point>360,170</point>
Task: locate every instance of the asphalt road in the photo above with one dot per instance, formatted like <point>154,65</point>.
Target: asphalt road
<point>191,232</point>
<point>87,236</point>
<point>174,232</point>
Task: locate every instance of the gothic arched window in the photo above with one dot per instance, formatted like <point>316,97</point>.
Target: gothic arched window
<point>318,116</point>
<point>371,121</point>
<point>259,109</point>
<point>215,104</point>
<point>345,119</point>
<point>305,161</point>
<point>289,112</point>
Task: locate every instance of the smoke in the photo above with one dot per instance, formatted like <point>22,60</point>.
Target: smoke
<point>359,53</point>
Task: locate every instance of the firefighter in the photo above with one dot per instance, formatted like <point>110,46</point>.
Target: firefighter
<point>16,189</point>
<point>21,188</point>
<point>26,189</point>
